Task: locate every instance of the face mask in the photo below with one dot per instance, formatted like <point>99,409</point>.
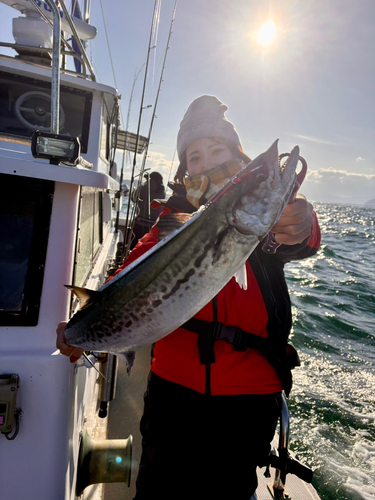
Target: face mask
<point>201,188</point>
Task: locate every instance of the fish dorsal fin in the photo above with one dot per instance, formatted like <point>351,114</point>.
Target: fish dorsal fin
<point>85,295</point>
<point>171,222</point>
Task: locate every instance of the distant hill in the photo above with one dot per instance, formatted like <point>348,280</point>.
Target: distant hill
<point>371,202</point>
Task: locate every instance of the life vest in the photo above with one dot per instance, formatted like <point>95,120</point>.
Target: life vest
<point>238,343</point>
<point>283,361</point>
<point>268,270</point>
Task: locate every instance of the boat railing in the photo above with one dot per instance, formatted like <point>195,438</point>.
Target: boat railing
<point>280,474</point>
<point>57,39</point>
<point>77,39</point>
<point>33,49</point>
<point>281,459</point>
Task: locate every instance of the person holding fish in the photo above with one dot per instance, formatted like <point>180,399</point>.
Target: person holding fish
<point>213,395</point>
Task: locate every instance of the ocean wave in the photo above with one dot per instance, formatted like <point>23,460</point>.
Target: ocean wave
<point>332,403</point>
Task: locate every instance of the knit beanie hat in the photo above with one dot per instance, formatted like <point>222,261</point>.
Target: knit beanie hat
<point>205,118</point>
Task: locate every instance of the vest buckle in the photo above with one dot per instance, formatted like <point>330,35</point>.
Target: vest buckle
<point>231,334</point>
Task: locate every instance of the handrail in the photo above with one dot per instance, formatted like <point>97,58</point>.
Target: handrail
<point>41,13</point>
<point>32,48</point>
<point>280,475</point>
<point>284,424</point>
<point>48,21</point>
<point>77,39</point>
<point>55,81</point>
<point>282,460</point>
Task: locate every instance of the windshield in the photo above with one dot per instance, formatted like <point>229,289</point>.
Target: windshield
<point>25,106</point>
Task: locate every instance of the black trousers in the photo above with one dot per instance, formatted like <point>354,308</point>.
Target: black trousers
<point>202,447</point>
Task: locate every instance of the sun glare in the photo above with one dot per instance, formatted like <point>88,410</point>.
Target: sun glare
<point>266,33</point>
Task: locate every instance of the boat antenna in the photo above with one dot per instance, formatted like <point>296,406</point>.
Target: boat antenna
<point>127,239</point>
<point>126,247</point>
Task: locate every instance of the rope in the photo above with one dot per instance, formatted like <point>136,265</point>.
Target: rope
<point>109,48</point>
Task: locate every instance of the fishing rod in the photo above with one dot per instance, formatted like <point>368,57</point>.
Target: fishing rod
<point>127,238</point>
<point>161,79</point>
<point>124,154</point>
<point>151,126</point>
<point>118,108</point>
<point>172,162</point>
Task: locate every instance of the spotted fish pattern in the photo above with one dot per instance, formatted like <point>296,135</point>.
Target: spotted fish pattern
<point>197,256</point>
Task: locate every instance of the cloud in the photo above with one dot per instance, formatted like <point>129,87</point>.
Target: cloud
<point>360,158</point>
<point>318,140</point>
<point>338,186</point>
<point>155,162</point>
<point>159,162</point>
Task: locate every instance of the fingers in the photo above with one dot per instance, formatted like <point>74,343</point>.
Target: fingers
<point>60,341</point>
<point>74,353</point>
<point>295,223</point>
<point>298,208</point>
<point>293,239</point>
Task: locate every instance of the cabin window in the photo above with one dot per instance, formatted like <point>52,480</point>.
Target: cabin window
<point>108,132</point>
<point>104,146</point>
<point>25,106</point>
<point>25,212</point>
<point>90,234</point>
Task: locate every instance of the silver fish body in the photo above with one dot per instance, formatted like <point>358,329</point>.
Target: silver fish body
<point>177,277</point>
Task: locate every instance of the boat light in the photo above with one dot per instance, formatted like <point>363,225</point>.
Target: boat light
<point>55,148</point>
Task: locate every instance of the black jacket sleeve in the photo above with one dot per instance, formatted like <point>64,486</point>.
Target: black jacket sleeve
<point>308,248</point>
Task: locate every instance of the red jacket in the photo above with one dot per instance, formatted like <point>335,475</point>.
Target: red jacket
<point>263,309</point>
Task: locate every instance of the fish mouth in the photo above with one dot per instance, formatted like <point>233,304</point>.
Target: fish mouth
<point>268,166</point>
<point>287,170</point>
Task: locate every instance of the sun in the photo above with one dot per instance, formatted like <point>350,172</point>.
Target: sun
<point>266,34</point>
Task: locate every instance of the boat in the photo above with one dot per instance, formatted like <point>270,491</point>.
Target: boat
<point>59,225</point>
<point>60,197</point>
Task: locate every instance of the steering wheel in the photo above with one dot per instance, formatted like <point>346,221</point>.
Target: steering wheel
<point>33,109</point>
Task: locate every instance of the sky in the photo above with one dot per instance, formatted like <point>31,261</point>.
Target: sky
<point>313,86</point>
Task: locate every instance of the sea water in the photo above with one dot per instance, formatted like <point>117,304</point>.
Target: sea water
<point>332,404</point>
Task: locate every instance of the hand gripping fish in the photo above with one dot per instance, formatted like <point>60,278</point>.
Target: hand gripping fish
<point>171,282</point>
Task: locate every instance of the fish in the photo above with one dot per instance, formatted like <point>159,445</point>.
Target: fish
<point>176,278</point>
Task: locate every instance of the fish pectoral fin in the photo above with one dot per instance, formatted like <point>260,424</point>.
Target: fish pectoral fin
<point>85,295</point>
<point>241,276</point>
<point>128,357</point>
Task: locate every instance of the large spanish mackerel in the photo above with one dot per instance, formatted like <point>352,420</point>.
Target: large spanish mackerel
<point>177,277</point>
